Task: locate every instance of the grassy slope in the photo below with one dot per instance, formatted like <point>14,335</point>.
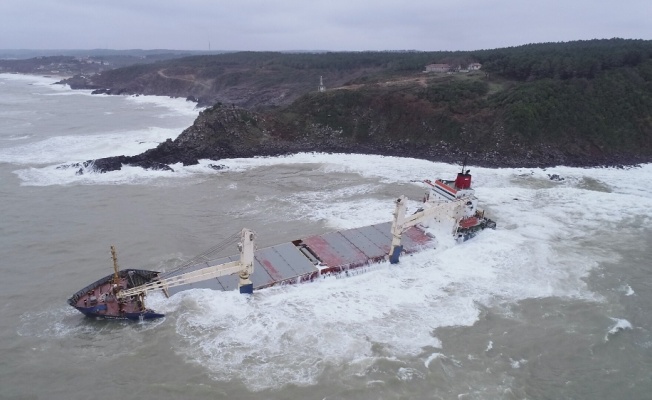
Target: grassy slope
<point>581,119</point>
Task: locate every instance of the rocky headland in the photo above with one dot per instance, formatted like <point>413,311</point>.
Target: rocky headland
<point>577,104</point>
<point>226,131</point>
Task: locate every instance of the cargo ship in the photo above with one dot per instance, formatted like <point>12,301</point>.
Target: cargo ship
<point>448,203</point>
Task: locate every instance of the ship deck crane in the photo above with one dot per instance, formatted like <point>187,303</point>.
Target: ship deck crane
<point>244,267</point>
<point>440,212</point>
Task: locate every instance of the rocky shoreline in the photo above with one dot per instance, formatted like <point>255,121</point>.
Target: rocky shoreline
<point>223,132</point>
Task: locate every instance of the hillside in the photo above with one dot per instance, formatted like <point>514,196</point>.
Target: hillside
<point>254,80</point>
<point>81,62</point>
<point>576,103</point>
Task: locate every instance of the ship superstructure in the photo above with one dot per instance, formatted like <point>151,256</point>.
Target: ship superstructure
<point>472,219</point>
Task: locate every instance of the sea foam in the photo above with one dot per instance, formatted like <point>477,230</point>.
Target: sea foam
<point>292,334</point>
<point>64,149</point>
<point>33,79</point>
<point>621,325</point>
<point>541,249</point>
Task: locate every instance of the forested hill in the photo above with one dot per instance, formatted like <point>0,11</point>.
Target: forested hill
<point>240,78</point>
<point>575,103</point>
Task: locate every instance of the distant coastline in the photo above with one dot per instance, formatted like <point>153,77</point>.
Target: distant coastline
<point>530,106</point>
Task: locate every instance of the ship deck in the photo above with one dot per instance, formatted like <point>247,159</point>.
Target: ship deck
<point>306,258</point>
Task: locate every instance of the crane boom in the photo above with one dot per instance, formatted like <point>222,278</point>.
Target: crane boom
<point>244,267</point>
<point>203,274</point>
<point>437,211</point>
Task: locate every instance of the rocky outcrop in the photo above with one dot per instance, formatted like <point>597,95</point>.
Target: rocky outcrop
<point>223,131</point>
<point>228,132</point>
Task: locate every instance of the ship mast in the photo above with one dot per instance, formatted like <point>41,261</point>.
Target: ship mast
<point>116,275</point>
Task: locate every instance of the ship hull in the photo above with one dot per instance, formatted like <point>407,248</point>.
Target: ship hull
<point>91,312</point>
<point>298,261</point>
<point>97,300</point>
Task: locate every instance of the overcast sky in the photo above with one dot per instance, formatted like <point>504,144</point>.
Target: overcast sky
<point>315,24</point>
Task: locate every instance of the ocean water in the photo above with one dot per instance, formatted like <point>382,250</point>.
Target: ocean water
<point>554,304</point>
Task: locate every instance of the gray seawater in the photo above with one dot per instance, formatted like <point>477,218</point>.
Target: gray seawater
<point>552,305</point>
